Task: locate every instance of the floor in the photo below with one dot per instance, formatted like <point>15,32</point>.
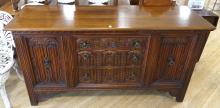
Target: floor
<point>203,91</point>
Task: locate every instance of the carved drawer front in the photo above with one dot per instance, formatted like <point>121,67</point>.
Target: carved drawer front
<point>46,60</point>
<point>173,55</point>
<point>109,66</point>
<point>110,60</point>
<point>110,75</point>
<point>110,43</point>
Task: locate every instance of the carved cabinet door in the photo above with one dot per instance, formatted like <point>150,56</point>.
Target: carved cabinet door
<point>46,60</point>
<point>169,59</point>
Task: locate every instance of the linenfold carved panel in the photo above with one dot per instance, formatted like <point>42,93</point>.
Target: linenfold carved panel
<point>173,56</point>
<point>45,55</point>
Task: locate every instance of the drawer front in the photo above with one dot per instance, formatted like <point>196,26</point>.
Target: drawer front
<point>111,60</point>
<point>46,60</point>
<point>110,43</point>
<point>110,75</point>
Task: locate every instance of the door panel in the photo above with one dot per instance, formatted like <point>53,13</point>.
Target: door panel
<point>172,58</point>
<point>46,60</point>
<point>167,60</point>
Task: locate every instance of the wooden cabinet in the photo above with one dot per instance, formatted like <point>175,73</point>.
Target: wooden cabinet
<point>106,47</point>
<point>61,61</point>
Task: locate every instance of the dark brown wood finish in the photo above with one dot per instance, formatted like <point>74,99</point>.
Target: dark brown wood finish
<point>209,16</point>
<point>155,48</point>
<point>70,18</point>
<point>87,3</point>
<point>155,2</point>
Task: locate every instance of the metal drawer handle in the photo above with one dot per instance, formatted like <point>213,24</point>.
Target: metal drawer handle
<point>171,61</point>
<point>136,44</point>
<point>84,45</point>
<point>47,63</point>
<point>86,77</point>
<point>134,58</point>
<point>86,56</point>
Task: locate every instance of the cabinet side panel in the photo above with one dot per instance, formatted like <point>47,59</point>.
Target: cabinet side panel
<point>24,61</point>
<point>195,53</point>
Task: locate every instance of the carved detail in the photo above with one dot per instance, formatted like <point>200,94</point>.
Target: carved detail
<point>86,77</point>
<point>174,50</point>
<point>46,60</point>
<point>85,45</point>
<point>107,63</point>
<point>43,42</point>
<point>136,44</point>
<point>135,57</point>
<point>111,43</point>
<point>131,76</point>
<point>47,63</point>
<point>174,40</point>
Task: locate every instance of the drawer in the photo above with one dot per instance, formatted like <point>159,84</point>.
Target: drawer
<point>110,58</point>
<point>110,75</point>
<point>110,43</point>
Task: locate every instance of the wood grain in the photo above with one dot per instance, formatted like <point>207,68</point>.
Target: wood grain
<point>203,91</point>
<point>155,2</point>
<point>115,58</point>
<point>107,18</point>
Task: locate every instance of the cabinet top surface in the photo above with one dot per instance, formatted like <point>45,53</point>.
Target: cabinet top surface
<point>71,18</point>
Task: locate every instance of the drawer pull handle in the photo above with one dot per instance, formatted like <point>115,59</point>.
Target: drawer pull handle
<point>171,61</point>
<point>47,63</point>
<point>86,56</point>
<point>136,44</point>
<point>85,77</point>
<point>84,45</point>
<point>134,58</point>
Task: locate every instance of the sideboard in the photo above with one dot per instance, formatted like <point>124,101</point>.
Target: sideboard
<point>99,48</point>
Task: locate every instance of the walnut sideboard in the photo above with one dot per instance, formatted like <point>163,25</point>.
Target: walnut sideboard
<point>67,48</point>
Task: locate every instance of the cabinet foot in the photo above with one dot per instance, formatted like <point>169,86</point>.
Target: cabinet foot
<point>176,93</point>
<point>179,98</point>
<point>173,93</point>
<point>34,100</point>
